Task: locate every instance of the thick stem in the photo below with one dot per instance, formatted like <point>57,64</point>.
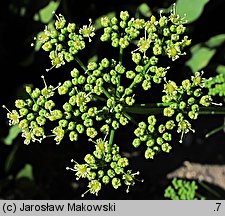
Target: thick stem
<point>157,108</point>
<point>111,138</point>
<point>144,110</point>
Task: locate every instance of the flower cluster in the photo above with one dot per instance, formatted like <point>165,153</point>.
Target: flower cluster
<point>182,190</point>
<point>105,166</point>
<point>64,40</point>
<point>99,97</point>
<point>182,105</point>
<point>162,36</point>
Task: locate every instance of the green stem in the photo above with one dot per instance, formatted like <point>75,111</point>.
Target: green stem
<point>80,63</point>
<point>144,110</point>
<point>111,138</point>
<point>121,55</point>
<point>99,98</point>
<point>146,66</point>
<point>129,117</point>
<point>209,189</point>
<point>157,108</point>
<point>215,131</point>
<point>212,111</point>
<point>106,93</point>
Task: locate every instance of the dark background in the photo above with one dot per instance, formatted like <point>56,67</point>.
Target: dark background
<point>21,65</point>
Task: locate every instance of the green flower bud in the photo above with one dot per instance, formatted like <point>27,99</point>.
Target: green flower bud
<point>110,173</point>
<point>23,124</point>
<point>192,115</point>
<point>166,147</point>
<point>159,140</point>
<point>170,125</point>
<point>73,136</point>
<point>136,142</point>
<point>89,159</point>
<point>41,120</point>
<point>149,153</point>
<point>116,183</point>
<point>130,75</point>
<point>105,21</point>
<point>182,105</point>
<point>168,111</point>
<point>105,179</point>
<point>63,123</point>
<point>23,111</point>
<point>124,15</point>
<point>167,137</point>
<point>150,142</point>
<point>30,116</point>
<point>206,100</point>
<point>123,162</point>
<point>161,128</point>
<point>136,57</point>
<point>91,132</point>
<point>152,120</point>
<point>80,128</point>
<point>49,104</point>
<point>20,103</point>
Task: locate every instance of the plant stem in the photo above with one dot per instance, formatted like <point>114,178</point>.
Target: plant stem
<point>212,111</point>
<point>144,110</point>
<point>111,138</point>
<point>144,71</point>
<point>99,98</point>
<point>214,131</point>
<point>157,108</point>
<point>121,55</point>
<point>129,117</point>
<point>80,63</point>
<point>209,189</point>
<point>106,93</point>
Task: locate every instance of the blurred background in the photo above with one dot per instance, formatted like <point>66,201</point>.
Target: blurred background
<point>37,171</point>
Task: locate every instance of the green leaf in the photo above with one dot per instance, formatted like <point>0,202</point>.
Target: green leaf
<point>200,58</point>
<point>46,14</point>
<point>13,133</point>
<point>94,58</point>
<point>191,8</point>
<point>216,41</point>
<point>220,69</point>
<point>145,10</point>
<point>26,172</point>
